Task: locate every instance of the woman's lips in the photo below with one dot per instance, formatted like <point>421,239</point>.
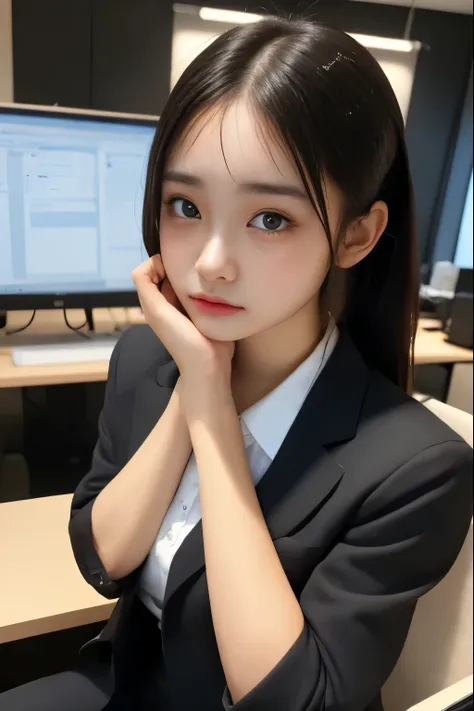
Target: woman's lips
<point>215,309</point>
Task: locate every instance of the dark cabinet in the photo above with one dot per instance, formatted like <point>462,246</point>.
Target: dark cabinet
<point>113,55</point>
<point>52,52</point>
<point>131,55</point>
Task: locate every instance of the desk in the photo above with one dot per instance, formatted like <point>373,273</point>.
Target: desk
<point>52,323</point>
<point>42,589</point>
<point>431,347</point>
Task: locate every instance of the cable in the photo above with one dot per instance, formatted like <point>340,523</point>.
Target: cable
<point>410,21</point>
<point>76,329</point>
<point>23,328</point>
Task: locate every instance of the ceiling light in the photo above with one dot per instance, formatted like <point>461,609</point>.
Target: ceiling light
<point>387,43</point>
<point>232,17</point>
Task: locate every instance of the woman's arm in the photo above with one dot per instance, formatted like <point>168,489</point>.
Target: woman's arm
<point>116,514</point>
<point>257,617</point>
<point>128,512</point>
<point>136,351</point>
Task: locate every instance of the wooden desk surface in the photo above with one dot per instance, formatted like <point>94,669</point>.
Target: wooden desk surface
<point>51,323</point>
<point>42,589</point>
<point>431,347</point>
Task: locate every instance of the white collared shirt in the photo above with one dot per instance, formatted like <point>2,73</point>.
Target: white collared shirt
<point>264,427</point>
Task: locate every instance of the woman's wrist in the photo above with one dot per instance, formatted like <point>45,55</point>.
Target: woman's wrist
<point>205,397</point>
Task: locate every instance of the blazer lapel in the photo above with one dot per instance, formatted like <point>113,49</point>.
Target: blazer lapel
<point>303,474</point>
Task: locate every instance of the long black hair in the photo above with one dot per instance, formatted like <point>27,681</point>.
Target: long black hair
<point>329,103</point>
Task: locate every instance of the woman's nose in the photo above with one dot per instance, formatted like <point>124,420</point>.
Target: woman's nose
<point>215,261</point>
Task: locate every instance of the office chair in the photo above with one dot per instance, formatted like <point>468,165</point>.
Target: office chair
<point>457,697</point>
<point>435,668</point>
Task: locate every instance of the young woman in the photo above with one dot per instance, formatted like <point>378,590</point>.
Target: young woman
<point>265,498</point>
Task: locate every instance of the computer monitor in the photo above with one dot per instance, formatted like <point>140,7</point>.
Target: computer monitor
<point>71,199</point>
<point>465,282</point>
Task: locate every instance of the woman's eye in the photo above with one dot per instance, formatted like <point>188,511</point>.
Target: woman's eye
<point>270,222</point>
<point>184,208</point>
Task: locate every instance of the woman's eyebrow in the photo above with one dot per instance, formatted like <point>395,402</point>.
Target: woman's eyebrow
<point>274,189</point>
<point>178,176</point>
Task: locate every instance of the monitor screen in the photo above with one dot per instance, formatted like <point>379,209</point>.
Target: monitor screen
<point>71,198</point>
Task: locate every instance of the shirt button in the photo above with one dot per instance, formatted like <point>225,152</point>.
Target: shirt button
<point>185,507</point>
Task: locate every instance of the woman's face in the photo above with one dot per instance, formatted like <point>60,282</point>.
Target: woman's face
<point>236,224</point>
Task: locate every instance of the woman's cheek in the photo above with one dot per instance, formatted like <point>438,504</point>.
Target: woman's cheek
<point>299,273</point>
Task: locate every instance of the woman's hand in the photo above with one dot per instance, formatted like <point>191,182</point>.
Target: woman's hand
<point>193,353</point>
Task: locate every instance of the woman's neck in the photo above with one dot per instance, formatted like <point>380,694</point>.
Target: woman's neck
<point>266,359</point>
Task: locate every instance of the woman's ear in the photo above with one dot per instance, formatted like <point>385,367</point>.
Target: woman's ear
<point>362,236</point>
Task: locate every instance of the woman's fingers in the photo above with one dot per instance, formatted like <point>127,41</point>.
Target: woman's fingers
<point>157,267</point>
<point>166,316</point>
<point>151,269</point>
<point>159,303</point>
<point>170,295</point>
<point>191,350</point>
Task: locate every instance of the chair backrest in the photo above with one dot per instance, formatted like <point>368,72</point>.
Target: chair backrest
<point>459,421</point>
<point>444,276</point>
<point>457,696</point>
<point>439,648</point>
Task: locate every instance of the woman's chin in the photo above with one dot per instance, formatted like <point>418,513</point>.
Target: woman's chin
<point>220,330</point>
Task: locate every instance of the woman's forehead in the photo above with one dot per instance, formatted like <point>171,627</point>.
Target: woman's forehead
<point>234,140</point>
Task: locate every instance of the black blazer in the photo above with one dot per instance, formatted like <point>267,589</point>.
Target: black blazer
<point>368,502</point>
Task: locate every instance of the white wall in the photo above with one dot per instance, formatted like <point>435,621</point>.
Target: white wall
<point>6,58</point>
<point>400,68</point>
<point>191,35</point>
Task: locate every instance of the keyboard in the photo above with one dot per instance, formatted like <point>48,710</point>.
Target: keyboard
<point>97,348</point>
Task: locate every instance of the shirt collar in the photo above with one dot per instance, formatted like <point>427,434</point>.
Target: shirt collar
<point>269,420</point>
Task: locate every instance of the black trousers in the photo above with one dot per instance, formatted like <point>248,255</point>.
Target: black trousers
<point>82,690</point>
<point>131,680</point>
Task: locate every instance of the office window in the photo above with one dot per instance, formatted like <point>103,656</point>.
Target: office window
<point>464,247</point>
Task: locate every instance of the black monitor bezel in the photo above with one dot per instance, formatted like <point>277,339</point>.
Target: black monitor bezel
<point>73,300</point>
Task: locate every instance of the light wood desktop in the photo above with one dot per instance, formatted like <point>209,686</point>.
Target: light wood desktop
<point>51,323</point>
<point>431,347</point>
<point>42,589</point>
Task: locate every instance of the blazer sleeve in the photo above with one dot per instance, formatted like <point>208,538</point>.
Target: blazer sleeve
<point>359,601</point>
<point>103,470</point>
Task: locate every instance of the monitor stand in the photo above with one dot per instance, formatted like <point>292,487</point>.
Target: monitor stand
<point>89,319</point>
